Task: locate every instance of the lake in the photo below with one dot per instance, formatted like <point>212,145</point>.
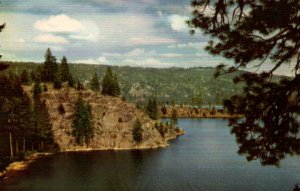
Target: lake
<point>205,158</point>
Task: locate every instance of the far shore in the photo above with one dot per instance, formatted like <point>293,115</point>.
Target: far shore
<point>186,111</point>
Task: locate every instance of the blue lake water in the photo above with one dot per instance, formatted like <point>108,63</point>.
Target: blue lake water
<point>204,158</point>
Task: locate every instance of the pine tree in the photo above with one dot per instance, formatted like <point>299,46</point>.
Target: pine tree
<point>71,81</point>
<point>3,66</point>
<point>95,85</point>
<point>56,82</point>
<point>82,123</point>
<point>24,76</point>
<point>50,68</point>
<point>36,90</point>
<point>44,126</point>
<point>110,84</point>
<point>116,86</point>
<point>152,109</point>
<point>253,33</point>
<point>14,110</point>
<point>174,120</point>
<point>107,82</point>
<point>64,70</point>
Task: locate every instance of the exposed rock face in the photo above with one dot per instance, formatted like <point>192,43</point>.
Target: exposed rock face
<point>113,121</point>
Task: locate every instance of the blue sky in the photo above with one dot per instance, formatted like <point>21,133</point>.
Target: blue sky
<point>147,33</point>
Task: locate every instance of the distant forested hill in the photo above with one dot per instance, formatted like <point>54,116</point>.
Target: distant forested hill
<point>167,85</point>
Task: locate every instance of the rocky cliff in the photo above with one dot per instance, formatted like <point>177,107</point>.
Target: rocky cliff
<point>113,121</point>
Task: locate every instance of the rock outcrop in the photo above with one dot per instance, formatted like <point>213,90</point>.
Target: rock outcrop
<point>113,121</point>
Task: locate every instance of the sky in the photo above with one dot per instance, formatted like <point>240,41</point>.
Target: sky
<point>145,33</point>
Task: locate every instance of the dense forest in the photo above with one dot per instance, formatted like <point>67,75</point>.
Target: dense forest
<point>179,85</point>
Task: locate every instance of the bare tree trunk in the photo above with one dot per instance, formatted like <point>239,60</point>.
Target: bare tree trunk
<point>31,146</point>
<point>11,145</point>
<point>17,147</point>
<point>42,146</point>
<point>24,145</point>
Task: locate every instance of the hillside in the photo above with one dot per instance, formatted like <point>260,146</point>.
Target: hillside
<point>112,121</point>
<point>169,84</point>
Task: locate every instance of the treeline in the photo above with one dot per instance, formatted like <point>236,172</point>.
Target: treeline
<point>183,86</point>
<point>52,72</point>
<point>25,124</point>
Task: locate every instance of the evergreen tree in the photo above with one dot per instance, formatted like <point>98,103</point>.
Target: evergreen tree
<point>56,82</point>
<point>152,109</point>
<point>44,126</point>
<point>174,120</point>
<point>254,33</point>
<point>107,82</point>
<point>110,84</point>
<point>64,70</point>
<point>24,76</point>
<point>13,111</point>
<point>50,68</point>
<point>82,123</point>
<point>95,85</point>
<point>116,86</point>
<point>137,132</point>
<point>2,65</point>
<point>36,90</point>
<point>71,81</point>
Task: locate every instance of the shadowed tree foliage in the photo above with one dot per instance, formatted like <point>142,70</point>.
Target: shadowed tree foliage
<point>24,76</point>
<point>50,68</point>
<point>44,126</point>
<point>64,70</point>
<point>82,123</point>
<point>253,33</point>
<point>110,84</point>
<point>95,85</point>
<point>151,109</point>
<point>174,120</point>
<point>2,66</point>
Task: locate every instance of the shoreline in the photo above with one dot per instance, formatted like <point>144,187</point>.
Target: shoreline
<point>201,117</point>
<point>22,165</point>
<point>125,148</point>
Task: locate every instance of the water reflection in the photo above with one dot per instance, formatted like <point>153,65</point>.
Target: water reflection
<point>204,158</point>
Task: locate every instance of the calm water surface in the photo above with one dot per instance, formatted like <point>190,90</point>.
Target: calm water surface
<point>203,159</point>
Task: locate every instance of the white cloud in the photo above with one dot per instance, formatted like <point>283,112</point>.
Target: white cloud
<point>171,55</point>
<point>193,45</point>
<point>59,23</point>
<point>150,62</point>
<point>77,30</point>
<point>89,33</point>
<point>150,40</point>
<point>99,60</point>
<point>50,38</point>
<point>177,22</point>
<point>86,61</point>
<point>142,53</point>
<point>102,60</point>
<point>136,52</point>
